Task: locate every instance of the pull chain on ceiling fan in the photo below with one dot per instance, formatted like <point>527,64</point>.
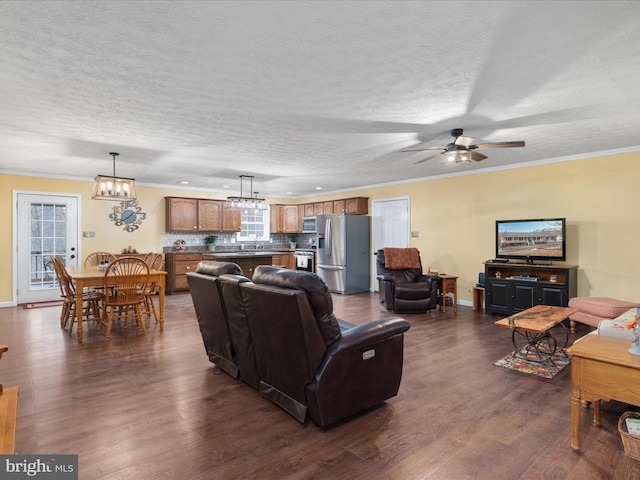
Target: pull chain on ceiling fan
<point>462,149</point>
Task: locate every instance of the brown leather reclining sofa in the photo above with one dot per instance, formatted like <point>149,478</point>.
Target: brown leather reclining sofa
<point>278,333</point>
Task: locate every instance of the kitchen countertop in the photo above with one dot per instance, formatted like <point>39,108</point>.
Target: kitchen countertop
<point>239,253</point>
<point>247,253</point>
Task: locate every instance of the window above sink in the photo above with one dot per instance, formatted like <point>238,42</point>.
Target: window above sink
<point>254,226</point>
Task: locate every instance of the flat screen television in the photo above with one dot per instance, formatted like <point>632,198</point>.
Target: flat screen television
<point>531,240</point>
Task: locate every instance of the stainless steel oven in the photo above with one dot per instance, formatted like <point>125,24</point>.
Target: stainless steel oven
<point>305,260</point>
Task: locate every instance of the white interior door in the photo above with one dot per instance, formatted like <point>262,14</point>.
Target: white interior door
<point>390,227</point>
<point>47,224</point>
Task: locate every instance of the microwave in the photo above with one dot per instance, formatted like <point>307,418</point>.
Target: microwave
<point>309,225</point>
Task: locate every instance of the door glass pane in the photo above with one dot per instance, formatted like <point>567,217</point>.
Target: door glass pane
<point>48,237</point>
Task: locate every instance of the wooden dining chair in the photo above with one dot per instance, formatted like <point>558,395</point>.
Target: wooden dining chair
<point>57,269</point>
<point>155,263</point>
<point>125,281</point>
<point>92,300</point>
<point>96,258</point>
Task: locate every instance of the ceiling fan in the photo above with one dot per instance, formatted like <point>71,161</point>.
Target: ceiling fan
<point>461,150</point>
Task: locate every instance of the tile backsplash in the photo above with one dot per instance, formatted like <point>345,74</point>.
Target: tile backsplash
<point>228,240</point>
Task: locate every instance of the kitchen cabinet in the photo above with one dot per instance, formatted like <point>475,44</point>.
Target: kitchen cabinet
<point>249,264</point>
<point>357,206</point>
<point>200,215</point>
<point>301,215</point>
<point>285,260</point>
<point>231,219</point>
<point>210,215</point>
<point>308,210</point>
<point>178,265</point>
<point>290,221</point>
<point>181,214</point>
<point>276,218</point>
<point>285,219</point>
<point>512,287</point>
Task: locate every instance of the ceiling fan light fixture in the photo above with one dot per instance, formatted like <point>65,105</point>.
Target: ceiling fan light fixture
<point>463,150</point>
<point>458,156</point>
<point>110,187</point>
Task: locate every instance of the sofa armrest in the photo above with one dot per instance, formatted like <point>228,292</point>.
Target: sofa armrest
<point>361,369</point>
<point>431,280</point>
<point>370,332</point>
<point>386,278</point>
<point>387,287</point>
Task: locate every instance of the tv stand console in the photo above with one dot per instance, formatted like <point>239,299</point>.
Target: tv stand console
<point>513,287</point>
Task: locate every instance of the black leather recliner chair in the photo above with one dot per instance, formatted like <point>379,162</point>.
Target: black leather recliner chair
<point>310,361</point>
<point>280,336</point>
<point>407,289</point>
<point>239,327</point>
<point>210,313</point>
<point>221,318</point>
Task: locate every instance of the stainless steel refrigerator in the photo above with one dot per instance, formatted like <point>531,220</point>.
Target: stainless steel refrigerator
<point>343,253</point>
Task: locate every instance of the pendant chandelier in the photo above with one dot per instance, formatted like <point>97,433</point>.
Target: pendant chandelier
<point>113,188</point>
<point>252,202</point>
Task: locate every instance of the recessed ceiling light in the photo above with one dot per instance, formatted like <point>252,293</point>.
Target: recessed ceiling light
<point>318,188</point>
<point>225,186</point>
<point>184,182</point>
<point>289,193</point>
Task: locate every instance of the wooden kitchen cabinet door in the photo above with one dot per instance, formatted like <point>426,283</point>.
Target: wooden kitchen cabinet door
<point>231,219</point>
<point>181,214</point>
<point>210,215</point>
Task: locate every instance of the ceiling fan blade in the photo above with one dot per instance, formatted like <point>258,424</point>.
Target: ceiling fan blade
<point>498,145</point>
<point>423,149</point>
<point>476,157</point>
<point>465,141</point>
<point>429,157</point>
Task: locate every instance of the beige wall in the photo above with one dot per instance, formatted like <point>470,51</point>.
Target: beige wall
<point>454,216</point>
<point>599,197</point>
<point>94,218</point>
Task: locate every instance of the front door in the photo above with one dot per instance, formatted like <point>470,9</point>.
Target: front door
<point>47,224</point>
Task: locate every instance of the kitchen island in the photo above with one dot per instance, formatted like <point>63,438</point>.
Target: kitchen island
<point>179,263</point>
<point>247,260</point>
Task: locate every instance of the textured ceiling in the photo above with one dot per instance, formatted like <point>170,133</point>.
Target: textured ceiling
<point>310,94</point>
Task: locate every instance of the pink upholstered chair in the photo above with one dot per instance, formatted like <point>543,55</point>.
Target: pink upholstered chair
<point>592,310</point>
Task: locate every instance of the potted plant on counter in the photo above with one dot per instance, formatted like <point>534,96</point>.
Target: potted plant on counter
<point>293,238</point>
<point>211,241</point>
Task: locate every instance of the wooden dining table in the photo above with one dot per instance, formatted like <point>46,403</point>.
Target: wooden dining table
<point>85,277</point>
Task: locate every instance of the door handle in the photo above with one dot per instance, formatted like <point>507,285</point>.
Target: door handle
<point>330,267</point>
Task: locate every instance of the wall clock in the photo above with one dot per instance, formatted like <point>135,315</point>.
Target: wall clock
<point>128,215</point>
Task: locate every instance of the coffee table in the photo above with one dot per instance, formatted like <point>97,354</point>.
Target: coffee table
<point>532,335</point>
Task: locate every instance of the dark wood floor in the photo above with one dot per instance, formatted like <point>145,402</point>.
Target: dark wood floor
<point>153,407</point>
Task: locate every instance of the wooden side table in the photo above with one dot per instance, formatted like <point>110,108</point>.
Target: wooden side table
<point>478,298</point>
<point>449,286</point>
<point>601,369</point>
